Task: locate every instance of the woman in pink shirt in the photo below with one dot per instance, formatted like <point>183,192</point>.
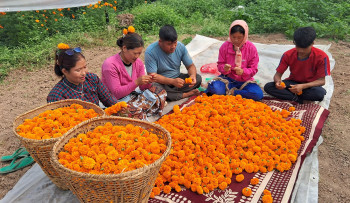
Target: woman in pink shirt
<point>238,63</point>
<point>124,75</point>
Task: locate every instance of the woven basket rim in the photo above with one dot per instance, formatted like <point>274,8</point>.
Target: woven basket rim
<point>61,102</point>
<point>110,177</point>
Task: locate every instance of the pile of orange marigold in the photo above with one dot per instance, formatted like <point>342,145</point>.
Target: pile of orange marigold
<point>54,123</point>
<point>219,136</point>
<point>112,149</point>
<point>116,108</point>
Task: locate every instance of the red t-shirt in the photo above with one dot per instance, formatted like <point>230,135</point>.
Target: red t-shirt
<point>307,70</point>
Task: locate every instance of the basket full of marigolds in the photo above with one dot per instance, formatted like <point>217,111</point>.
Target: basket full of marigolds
<point>39,129</point>
<point>112,159</point>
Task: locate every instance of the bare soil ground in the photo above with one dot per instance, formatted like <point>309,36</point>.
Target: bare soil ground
<point>24,90</point>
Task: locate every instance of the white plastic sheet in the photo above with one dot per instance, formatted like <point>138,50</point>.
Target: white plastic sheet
<point>35,186</point>
<point>28,5</point>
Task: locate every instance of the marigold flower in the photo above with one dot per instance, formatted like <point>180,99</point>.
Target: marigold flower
<point>125,31</point>
<point>62,46</point>
<point>114,109</point>
<point>283,84</point>
<point>266,192</point>
<point>37,21</point>
<point>254,181</point>
<point>188,80</point>
<point>267,199</point>
<point>167,189</point>
<point>223,185</point>
<point>240,178</point>
<point>247,191</point>
<point>208,145</point>
<point>88,163</point>
<point>131,29</point>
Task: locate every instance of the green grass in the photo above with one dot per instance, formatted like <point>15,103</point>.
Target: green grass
<point>24,43</point>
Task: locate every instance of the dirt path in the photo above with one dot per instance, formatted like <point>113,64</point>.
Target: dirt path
<point>23,91</point>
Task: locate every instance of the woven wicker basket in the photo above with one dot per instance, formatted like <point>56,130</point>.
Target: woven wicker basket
<point>132,186</point>
<point>40,150</point>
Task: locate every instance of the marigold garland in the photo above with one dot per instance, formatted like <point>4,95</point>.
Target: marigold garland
<point>219,136</point>
<point>116,108</point>
<point>112,149</point>
<point>54,123</point>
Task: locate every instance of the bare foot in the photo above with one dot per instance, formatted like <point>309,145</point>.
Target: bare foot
<point>191,93</point>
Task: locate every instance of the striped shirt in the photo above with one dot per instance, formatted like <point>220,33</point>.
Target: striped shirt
<point>92,90</point>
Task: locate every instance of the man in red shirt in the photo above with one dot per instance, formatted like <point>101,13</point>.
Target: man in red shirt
<point>308,68</point>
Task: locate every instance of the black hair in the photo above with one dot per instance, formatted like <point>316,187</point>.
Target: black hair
<point>131,41</point>
<point>304,37</point>
<point>168,33</point>
<point>237,28</point>
<point>63,60</point>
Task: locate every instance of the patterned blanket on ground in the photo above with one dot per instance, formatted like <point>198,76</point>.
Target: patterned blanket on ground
<point>280,184</point>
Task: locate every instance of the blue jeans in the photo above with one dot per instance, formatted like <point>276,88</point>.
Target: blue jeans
<point>250,91</point>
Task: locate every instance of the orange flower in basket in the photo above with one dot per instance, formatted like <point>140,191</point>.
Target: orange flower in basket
<point>88,163</point>
<point>54,123</point>
<point>247,191</point>
<point>112,149</point>
<point>188,80</point>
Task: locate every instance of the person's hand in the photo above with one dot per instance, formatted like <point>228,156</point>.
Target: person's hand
<point>154,77</point>
<point>238,70</point>
<point>227,67</point>
<point>178,82</point>
<point>280,85</point>
<point>193,80</point>
<point>142,80</point>
<point>296,89</point>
